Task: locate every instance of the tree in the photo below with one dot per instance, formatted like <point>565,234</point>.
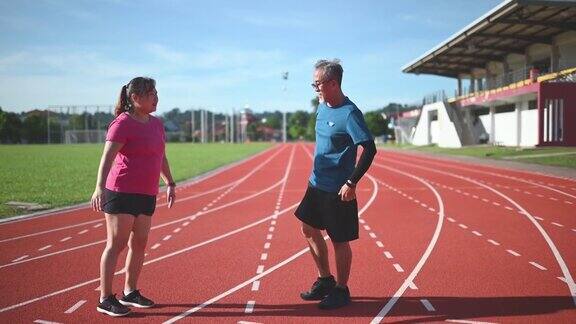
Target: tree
<point>376,123</point>
<point>35,127</point>
<point>297,124</point>
<point>10,127</point>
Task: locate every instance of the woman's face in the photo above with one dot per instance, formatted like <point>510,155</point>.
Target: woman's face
<point>147,102</point>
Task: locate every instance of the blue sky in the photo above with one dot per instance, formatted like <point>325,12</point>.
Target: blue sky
<point>220,54</point>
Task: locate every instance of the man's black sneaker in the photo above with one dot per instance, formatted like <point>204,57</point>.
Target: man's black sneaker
<point>112,307</point>
<point>320,288</point>
<point>338,297</point>
<point>136,299</point>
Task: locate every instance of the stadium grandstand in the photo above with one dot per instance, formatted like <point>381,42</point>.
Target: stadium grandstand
<point>515,69</point>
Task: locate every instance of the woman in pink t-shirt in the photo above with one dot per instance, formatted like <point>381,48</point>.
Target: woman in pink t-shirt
<point>132,163</point>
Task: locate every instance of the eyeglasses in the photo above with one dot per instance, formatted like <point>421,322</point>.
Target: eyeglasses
<point>316,84</point>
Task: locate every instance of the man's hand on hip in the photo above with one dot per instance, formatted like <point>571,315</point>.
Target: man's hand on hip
<point>347,193</point>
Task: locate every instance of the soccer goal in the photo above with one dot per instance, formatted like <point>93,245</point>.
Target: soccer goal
<point>84,136</point>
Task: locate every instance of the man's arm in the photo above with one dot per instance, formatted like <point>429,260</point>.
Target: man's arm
<point>368,153</point>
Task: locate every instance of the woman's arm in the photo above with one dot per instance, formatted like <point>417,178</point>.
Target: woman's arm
<point>171,186</point>
<point>110,151</point>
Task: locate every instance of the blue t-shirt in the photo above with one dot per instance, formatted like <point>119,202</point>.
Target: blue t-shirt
<point>338,132</point>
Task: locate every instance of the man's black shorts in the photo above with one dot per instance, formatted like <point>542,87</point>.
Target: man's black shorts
<point>325,210</point>
<point>128,203</point>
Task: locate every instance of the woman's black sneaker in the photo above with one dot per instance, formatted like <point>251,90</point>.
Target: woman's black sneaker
<point>136,299</point>
<point>338,297</point>
<point>320,288</point>
<point>112,307</point>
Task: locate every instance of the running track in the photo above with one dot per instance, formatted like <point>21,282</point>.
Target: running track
<point>439,241</point>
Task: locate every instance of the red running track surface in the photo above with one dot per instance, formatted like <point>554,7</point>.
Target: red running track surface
<point>440,241</point>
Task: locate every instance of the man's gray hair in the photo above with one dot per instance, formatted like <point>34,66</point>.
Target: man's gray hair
<point>331,70</point>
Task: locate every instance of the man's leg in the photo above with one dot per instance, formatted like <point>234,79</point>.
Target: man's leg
<point>343,254</point>
<point>318,249</point>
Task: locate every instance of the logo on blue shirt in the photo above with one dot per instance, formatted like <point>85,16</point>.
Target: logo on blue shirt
<point>331,124</point>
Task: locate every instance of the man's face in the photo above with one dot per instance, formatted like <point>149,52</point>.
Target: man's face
<point>321,85</point>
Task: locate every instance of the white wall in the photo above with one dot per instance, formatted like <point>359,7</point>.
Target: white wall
<point>442,131</point>
<point>505,128</point>
<point>434,132</point>
<point>529,124</point>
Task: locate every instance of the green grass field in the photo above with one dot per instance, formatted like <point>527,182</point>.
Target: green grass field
<point>503,153</point>
<point>61,175</point>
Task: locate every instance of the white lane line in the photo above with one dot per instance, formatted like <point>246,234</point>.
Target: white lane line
<point>493,242</point>
<point>362,221</point>
<point>398,267</point>
<point>83,232</point>
<point>167,237</point>
<point>557,224</point>
<point>428,305</point>
<point>450,219</point>
<point>562,279</point>
<point>270,270</point>
<point>21,258</point>
<point>65,239</point>
<point>412,286</point>
<point>266,245</point>
<point>388,255</point>
<point>50,231</point>
<point>509,208</point>
<point>485,200</point>
<point>246,322</point>
<point>250,307</point>
<point>431,209</point>
<point>176,230</point>
<point>45,247</point>
<point>568,202</point>
<point>256,285</point>
<point>514,253</point>
<point>185,223</point>
<point>476,233</point>
<point>155,246</point>
<point>539,195</point>
<point>552,198</point>
<point>537,265</point>
<point>75,307</point>
<point>539,218</point>
<point>269,236</point>
<point>463,226</point>
<point>39,321</point>
<point>264,256</point>
<point>551,245</point>
<point>271,229</point>
<point>97,225</point>
<point>392,301</point>
<point>273,222</point>
<point>372,235</point>
<point>495,203</point>
<point>260,269</point>
<point>380,245</point>
<point>366,227</point>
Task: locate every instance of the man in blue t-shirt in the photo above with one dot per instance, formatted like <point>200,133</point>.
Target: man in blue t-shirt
<point>330,200</point>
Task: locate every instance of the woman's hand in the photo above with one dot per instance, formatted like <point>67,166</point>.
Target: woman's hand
<point>97,198</point>
<point>171,195</point>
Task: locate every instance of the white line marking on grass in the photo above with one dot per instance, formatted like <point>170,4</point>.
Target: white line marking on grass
<point>514,253</point>
<point>372,235</point>
<point>21,258</point>
<point>83,232</point>
<point>155,246</point>
<point>537,265</point>
<point>250,307</point>
<point>167,237</point>
<point>45,247</point>
<point>65,239</point>
<point>557,224</point>
<point>398,267</point>
<point>75,307</point>
<point>256,285</point>
<point>379,244</point>
<point>260,269</point>
<point>428,305</point>
<point>493,242</point>
<point>476,233</point>
<point>264,256</point>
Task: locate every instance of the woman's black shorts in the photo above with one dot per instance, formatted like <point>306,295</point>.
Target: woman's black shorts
<point>325,210</point>
<point>128,203</point>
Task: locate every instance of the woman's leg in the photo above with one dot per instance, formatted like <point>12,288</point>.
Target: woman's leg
<point>136,247</point>
<point>118,227</point>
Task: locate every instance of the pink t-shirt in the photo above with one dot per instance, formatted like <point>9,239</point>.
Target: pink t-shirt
<point>137,165</point>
